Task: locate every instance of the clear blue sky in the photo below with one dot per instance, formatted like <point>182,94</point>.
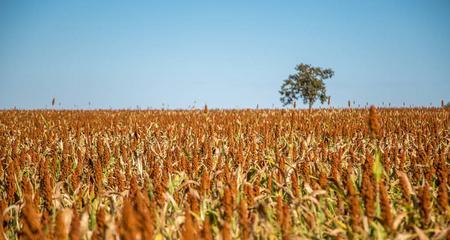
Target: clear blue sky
<point>224,53</point>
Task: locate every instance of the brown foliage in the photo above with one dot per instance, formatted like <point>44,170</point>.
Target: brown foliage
<point>287,173</point>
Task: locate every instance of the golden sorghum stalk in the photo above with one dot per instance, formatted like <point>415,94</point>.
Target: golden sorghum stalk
<point>209,158</point>
<point>294,182</point>
<point>62,222</point>
<point>243,220</point>
<point>193,202</point>
<point>386,211</point>
<point>281,166</point>
<point>374,124</point>
<point>443,198</point>
<point>133,186</point>
<point>234,190</point>
<point>2,208</point>
<point>227,204</point>
<point>425,204</point>
<point>206,230</point>
<point>256,188</point>
<point>405,186</point>
<point>100,229</point>
<point>442,174</point>
<point>10,182</point>
<point>335,169</point>
<point>31,226</point>
<point>204,184</point>
<point>402,160</point>
<point>226,231</point>
<point>354,205</point>
<point>269,183</point>
<point>195,164</point>
<point>188,228</point>
<point>46,191</point>
<point>368,195</point>
<point>74,232</point>
<point>65,168</point>
<point>286,224</point>
<point>75,178</point>
<point>98,176</point>
<point>118,176</point>
<point>27,188</point>
<point>47,195</point>
<point>159,192</point>
<point>129,224</point>
<point>279,210</point>
<point>249,193</point>
<point>144,214</point>
<point>323,180</point>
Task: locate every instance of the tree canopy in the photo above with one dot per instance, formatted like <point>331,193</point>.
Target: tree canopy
<point>307,83</point>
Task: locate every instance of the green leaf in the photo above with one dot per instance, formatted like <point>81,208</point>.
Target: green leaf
<point>378,167</point>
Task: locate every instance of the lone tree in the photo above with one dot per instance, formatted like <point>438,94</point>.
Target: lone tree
<point>307,83</point>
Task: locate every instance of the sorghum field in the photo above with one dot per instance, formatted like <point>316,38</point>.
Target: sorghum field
<point>225,174</point>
